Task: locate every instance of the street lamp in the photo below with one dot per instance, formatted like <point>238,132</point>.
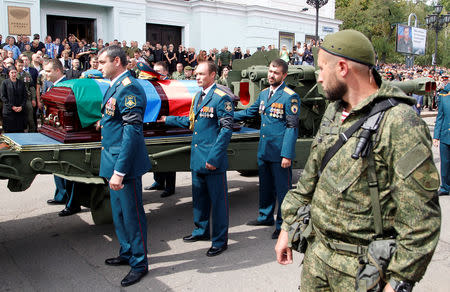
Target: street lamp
<point>317,4</point>
<point>437,22</point>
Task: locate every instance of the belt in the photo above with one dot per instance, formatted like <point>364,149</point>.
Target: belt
<point>341,247</point>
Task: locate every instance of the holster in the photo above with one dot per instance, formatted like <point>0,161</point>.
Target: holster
<point>371,275</point>
<point>300,230</point>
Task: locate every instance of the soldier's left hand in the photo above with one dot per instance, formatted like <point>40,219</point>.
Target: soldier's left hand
<point>284,253</point>
<point>388,288</point>
<point>115,183</point>
<point>210,166</point>
<point>285,162</point>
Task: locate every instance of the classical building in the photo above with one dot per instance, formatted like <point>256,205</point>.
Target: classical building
<point>197,23</point>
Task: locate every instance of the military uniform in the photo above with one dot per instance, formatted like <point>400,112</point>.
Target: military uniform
<point>212,120</point>
<point>177,75</point>
<point>278,134</point>
<point>442,133</point>
<point>343,215</point>
<point>124,151</point>
<point>31,96</point>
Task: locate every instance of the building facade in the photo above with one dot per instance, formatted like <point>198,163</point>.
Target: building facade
<point>193,23</point>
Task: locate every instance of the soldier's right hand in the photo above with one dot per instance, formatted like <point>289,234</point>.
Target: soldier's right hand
<point>162,119</point>
<point>284,253</point>
<point>436,142</point>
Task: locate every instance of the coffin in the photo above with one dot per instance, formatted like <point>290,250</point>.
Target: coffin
<point>72,108</point>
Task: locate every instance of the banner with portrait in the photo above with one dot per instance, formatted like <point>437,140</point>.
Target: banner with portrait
<point>411,40</point>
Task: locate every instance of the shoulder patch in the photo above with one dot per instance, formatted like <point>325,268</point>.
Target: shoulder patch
<point>219,92</point>
<point>265,89</point>
<point>130,101</point>
<point>228,106</point>
<point>289,91</point>
<point>126,81</point>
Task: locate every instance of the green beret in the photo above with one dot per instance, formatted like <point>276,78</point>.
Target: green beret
<point>188,68</point>
<point>350,44</point>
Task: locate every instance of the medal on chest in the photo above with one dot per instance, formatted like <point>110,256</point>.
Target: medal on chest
<point>261,107</point>
<point>110,106</point>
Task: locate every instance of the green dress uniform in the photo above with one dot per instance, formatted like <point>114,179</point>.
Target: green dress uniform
<point>341,208</point>
<point>177,75</point>
<point>124,151</point>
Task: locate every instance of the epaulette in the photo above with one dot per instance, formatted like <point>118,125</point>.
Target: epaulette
<point>265,89</point>
<point>126,81</point>
<point>219,92</point>
<point>289,91</point>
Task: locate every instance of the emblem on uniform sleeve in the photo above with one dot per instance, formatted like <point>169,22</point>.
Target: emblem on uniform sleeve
<point>130,101</point>
<point>294,108</point>
<point>228,106</point>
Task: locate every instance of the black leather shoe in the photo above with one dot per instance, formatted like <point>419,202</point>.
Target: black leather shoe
<point>191,238</point>
<point>118,261</point>
<point>275,234</point>
<point>54,202</point>
<point>260,223</point>
<point>166,194</point>
<point>132,278</point>
<point>154,186</point>
<point>69,211</point>
<point>213,251</point>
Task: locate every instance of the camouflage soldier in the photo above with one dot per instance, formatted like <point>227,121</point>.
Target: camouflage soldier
<point>179,73</point>
<point>401,171</point>
<point>188,73</point>
<point>31,94</point>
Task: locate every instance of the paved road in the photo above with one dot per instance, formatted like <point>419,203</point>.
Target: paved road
<point>41,252</point>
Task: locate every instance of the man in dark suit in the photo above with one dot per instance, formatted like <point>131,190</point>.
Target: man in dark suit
<point>211,119</point>
<point>442,138</point>
<point>124,159</point>
<point>279,109</point>
<point>74,72</point>
<point>64,193</point>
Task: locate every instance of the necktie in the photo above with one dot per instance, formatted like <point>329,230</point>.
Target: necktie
<point>200,99</point>
<point>270,94</point>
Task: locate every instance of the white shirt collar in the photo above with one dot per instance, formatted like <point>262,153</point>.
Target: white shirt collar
<point>275,89</point>
<point>59,80</point>
<point>115,79</point>
<point>208,89</point>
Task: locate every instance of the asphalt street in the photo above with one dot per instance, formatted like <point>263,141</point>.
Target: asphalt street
<point>40,251</point>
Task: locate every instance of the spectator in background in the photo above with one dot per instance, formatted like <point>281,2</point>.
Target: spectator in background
<point>66,60</point>
<point>178,74</point>
<point>308,57</point>
<point>36,62</point>
<point>212,56</point>
<point>27,52</point>
<point>33,72</point>
<point>188,73</point>
<point>225,58</point>
<point>11,47</point>
<point>138,56</point>
<point>237,53</point>
<point>192,57</point>
<point>59,48</point>
<point>73,43</point>
<point>50,48</point>
<point>284,54</point>
<point>247,54</point>
<point>74,72</point>
<point>83,55</point>
<point>158,53</point>
<point>14,98</point>
<point>171,59</point>
<point>223,80</point>
<point>182,55</point>
<point>419,103</point>
<point>125,47</point>
<point>1,42</point>
<point>201,57</point>
<point>93,63</point>
<point>40,45</point>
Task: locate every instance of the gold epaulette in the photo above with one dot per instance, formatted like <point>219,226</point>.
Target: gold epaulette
<point>126,81</point>
<point>219,92</point>
<point>289,91</point>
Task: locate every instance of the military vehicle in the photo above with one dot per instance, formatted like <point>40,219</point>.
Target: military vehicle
<point>25,155</point>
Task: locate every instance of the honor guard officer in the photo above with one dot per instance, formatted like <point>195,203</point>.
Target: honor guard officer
<point>370,182</point>
<point>211,119</point>
<point>124,159</point>
<point>442,138</point>
<point>279,107</point>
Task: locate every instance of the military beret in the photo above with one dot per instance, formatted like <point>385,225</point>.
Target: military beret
<point>144,67</point>
<point>350,44</point>
<point>188,68</point>
<point>92,74</point>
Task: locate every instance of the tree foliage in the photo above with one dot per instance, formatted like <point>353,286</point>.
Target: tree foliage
<point>378,20</point>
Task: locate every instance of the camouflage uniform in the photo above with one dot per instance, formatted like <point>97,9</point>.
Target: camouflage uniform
<point>31,96</point>
<point>177,75</point>
<point>341,208</point>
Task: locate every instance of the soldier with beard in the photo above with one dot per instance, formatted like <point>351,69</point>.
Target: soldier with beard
<point>389,195</point>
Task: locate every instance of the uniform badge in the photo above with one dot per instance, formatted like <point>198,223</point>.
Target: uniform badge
<point>228,106</point>
<point>261,107</point>
<point>110,107</point>
<point>130,101</point>
<point>294,108</point>
<point>294,100</point>
<point>126,81</point>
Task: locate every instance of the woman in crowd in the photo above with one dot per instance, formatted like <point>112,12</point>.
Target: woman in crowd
<point>171,59</point>
<point>284,54</point>
<point>202,56</point>
<point>223,80</point>
<point>66,60</point>
<point>14,97</point>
